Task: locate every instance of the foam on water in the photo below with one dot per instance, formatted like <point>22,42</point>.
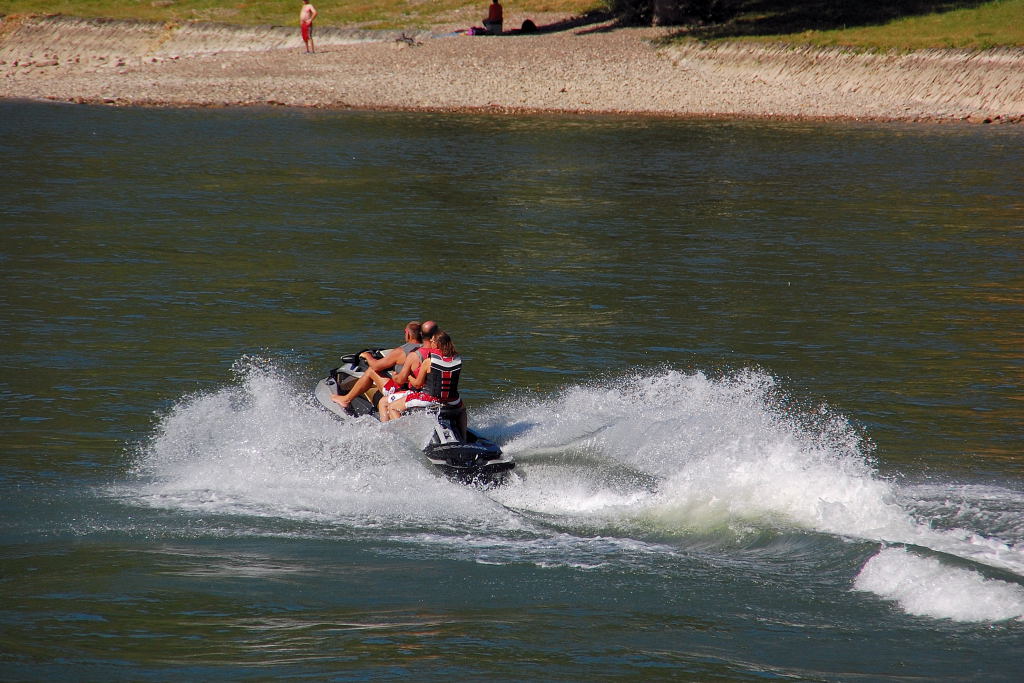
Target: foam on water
<point>730,453</point>
<point>636,461</point>
<point>263,447</point>
<point>926,587</point>
<point>720,451</point>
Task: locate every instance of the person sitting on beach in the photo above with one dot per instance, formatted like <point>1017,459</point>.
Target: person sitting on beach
<point>306,16</point>
<point>435,382</point>
<point>393,359</point>
<point>494,18</point>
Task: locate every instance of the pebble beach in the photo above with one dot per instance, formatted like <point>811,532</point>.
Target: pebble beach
<point>572,66</point>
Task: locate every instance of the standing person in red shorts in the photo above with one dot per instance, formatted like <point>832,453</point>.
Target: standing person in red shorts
<point>306,16</point>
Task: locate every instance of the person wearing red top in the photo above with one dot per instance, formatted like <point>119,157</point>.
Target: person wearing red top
<point>494,18</point>
<point>435,381</point>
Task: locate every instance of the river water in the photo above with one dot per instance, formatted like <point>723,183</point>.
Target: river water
<point>762,381</point>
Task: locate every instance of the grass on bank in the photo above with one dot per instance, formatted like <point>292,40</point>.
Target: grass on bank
<point>371,14</point>
<point>878,24</point>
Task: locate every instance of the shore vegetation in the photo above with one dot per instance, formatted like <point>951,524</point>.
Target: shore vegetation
<point>882,25</point>
<point>368,14</point>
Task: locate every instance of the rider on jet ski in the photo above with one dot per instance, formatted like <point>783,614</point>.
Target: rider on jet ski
<point>436,380</point>
<point>396,358</point>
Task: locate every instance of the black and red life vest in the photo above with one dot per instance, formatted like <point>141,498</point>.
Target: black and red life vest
<point>443,381</point>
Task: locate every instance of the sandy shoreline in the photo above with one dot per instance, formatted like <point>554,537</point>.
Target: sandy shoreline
<point>593,68</point>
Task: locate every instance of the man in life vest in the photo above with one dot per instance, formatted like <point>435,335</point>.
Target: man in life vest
<point>394,359</point>
<point>435,382</point>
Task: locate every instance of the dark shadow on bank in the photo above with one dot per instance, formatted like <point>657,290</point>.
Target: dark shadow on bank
<point>709,19</point>
<point>592,18</point>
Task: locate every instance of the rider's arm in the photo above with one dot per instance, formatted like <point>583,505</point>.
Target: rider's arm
<point>412,363</point>
<point>389,360</point>
<point>420,378</point>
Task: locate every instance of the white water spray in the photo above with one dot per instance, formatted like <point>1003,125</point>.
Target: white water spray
<point>727,455</point>
<point>675,453</point>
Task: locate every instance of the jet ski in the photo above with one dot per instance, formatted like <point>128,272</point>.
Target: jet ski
<point>469,458</point>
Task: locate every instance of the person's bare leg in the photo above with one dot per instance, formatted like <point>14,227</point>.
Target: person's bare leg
<point>360,387</point>
<point>396,409</point>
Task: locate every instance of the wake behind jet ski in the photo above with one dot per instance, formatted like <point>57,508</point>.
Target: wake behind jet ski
<point>468,458</point>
